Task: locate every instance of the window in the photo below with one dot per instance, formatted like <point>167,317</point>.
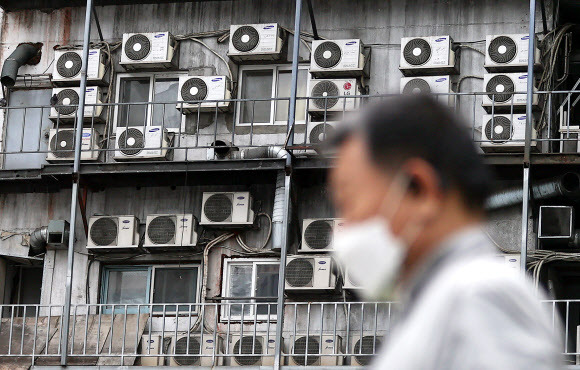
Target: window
<point>22,286</point>
<point>151,284</point>
<point>26,128</point>
<point>158,88</point>
<point>267,82</point>
<point>247,279</point>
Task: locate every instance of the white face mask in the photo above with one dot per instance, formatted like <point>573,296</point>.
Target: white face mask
<point>370,252</point>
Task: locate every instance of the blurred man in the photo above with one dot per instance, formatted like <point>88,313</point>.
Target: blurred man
<point>412,188</point>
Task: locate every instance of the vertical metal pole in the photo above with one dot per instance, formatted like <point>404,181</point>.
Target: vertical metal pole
<point>287,183</point>
<point>527,147</point>
<point>75,186</point>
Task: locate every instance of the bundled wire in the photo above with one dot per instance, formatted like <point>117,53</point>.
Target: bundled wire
<point>542,257</point>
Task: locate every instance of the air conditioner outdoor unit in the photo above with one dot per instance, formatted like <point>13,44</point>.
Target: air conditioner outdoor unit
<point>310,273</point>
<point>337,58</point>
<point>349,283</point>
<point>508,52</point>
<point>511,261</point>
<point>439,85</point>
<point>505,133</point>
<point>251,42</point>
<point>108,233</point>
<point>424,56</point>
<point>499,88</point>
<point>318,234</point>
<point>170,231</point>
<point>318,132</point>
<point>62,145</point>
<point>364,348</point>
<point>333,95</point>
<point>68,63</point>
<point>307,351</point>
<point>151,349</point>
<point>196,351</point>
<point>227,209</point>
<point>148,50</point>
<point>261,349</point>
<point>66,107</point>
<point>149,143</point>
<point>203,93</point>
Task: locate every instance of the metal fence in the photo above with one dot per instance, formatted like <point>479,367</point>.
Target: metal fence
<point>330,333</point>
<point>223,129</point>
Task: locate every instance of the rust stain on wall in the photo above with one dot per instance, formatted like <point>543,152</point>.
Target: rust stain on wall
<point>50,207</point>
<point>66,25</point>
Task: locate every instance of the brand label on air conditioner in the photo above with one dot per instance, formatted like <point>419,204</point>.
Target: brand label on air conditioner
<point>523,77</point>
<point>441,79</point>
<point>94,64</point>
<point>522,118</point>
<point>350,55</point>
<point>86,134</point>
<point>159,47</point>
<point>440,52</point>
<point>268,39</point>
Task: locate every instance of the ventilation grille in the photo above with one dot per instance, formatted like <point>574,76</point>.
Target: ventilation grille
<point>67,102</point>
<point>300,272</point>
<point>367,345</point>
<point>131,141</point>
<point>182,348</point>
<point>502,49</point>
<point>245,39</point>
<point>161,230</point>
<point>318,234</point>
<point>416,86</point>
<point>104,231</point>
<point>500,87</point>
<point>322,90</point>
<point>62,144</point>
<point>327,54</point>
<point>137,47</point>
<point>499,129</point>
<point>313,351</point>
<point>194,89</point>
<point>417,52</point>
<point>249,346</point>
<point>218,207</point>
<point>320,132</point>
<point>69,64</point>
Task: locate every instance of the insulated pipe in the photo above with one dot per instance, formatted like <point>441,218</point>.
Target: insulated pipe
<point>567,185</point>
<point>20,56</point>
<point>264,152</point>
<point>278,213</point>
<point>38,240</point>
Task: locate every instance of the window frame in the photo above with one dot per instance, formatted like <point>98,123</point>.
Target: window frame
<point>149,114</point>
<point>228,262</point>
<point>146,307</point>
<point>274,92</point>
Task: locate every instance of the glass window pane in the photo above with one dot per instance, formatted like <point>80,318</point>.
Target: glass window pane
<point>283,91</point>
<point>127,286</point>
<point>27,129</point>
<point>240,285</point>
<point>166,115</point>
<point>256,85</point>
<point>133,91</point>
<point>267,286</point>
<point>175,285</point>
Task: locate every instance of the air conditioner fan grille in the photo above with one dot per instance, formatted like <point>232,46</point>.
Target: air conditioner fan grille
<point>499,129</point>
<point>321,90</point>
<point>137,47</point>
<point>499,88</point>
<point>328,54</point>
<point>161,230</point>
<point>245,38</point>
<point>69,64</point>
<point>417,52</point>
<point>319,133</point>
<point>300,272</point>
<point>67,102</point>
<point>182,348</point>
<point>502,49</point>
<point>62,144</point>
<point>367,345</point>
<point>218,207</point>
<point>194,89</point>
<point>318,234</point>
<point>313,351</point>
<point>249,346</point>
<point>104,231</point>
<point>416,86</point>
<point>131,141</point>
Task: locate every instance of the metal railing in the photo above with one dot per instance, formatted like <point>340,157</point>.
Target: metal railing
<point>329,333</point>
<point>221,129</point>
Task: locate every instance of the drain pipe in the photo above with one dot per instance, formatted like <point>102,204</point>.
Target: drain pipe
<point>20,56</point>
<point>64,338</point>
<point>567,186</point>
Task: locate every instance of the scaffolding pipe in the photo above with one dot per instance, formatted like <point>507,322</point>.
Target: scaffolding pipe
<point>75,187</point>
<point>287,182</point>
<point>528,140</point>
